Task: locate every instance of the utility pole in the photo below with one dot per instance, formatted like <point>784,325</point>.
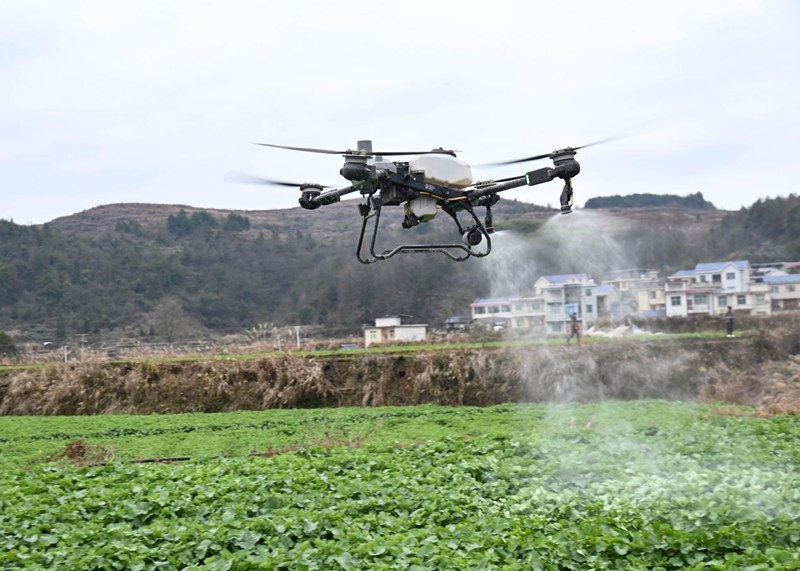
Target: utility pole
<point>297,335</point>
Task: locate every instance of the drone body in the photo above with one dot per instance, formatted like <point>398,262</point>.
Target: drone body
<point>434,181</point>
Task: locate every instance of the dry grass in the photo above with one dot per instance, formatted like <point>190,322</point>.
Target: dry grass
<point>79,453</point>
<point>762,372</point>
<point>770,387</point>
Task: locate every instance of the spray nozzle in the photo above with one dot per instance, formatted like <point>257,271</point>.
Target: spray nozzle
<point>487,223</point>
<point>566,197</point>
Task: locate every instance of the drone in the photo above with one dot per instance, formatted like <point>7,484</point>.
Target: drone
<point>432,181</point>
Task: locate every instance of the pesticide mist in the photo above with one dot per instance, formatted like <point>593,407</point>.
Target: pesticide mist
<point>624,464</point>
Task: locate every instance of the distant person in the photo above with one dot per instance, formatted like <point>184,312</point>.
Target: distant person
<point>729,321</point>
<point>574,328</point>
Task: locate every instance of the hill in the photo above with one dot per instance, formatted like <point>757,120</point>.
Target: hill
<point>160,272</point>
<point>645,200</point>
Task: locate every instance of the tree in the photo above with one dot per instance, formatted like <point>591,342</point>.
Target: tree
<point>171,320</point>
<point>7,348</point>
<point>179,224</point>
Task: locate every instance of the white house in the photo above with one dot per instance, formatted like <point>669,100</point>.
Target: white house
<point>393,330</point>
<point>709,289</point>
<point>509,312</point>
<point>733,277</point>
<point>784,292</point>
<point>563,295</point>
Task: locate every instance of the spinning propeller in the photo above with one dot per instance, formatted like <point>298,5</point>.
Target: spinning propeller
<point>551,155</point>
<point>244,178</point>
<point>366,152</point>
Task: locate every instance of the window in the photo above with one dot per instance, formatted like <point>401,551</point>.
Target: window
<point>588,292</point>
<point>730,276</point>
<point>480,310</point>
<point>716,278</point>
<point>675,301</point>
<point>505,308</point>
<point>701,299</point>
<point>760,299</point>
<point>774,289</point>
<point>722,300</point>
<point>373,334</point>
<point>790,288</point>
<point>741,300</point>
<point>653,294</point>
<point>589,308</point>
<point>703,279</point>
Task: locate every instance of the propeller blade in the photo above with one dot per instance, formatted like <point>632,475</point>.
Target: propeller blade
<point>517,161</point>
<point>550,154</point>
<point>357,152</point>
<point>307,149</point>
<point>244,178</point>
<point>439,151</point>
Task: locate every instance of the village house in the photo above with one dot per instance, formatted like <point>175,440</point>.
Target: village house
<point>393,330</point>
<point>708,289</point>
<point>783,292</point>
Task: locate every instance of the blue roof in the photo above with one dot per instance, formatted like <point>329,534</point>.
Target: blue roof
<point>683,274</point>
<point>717,266</point>
<point>492,300</point>
<point>564,278</point>
<point>603,288</point>
<point>788,279</point>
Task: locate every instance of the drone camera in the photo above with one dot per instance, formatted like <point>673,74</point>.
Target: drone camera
<point>472,237</point>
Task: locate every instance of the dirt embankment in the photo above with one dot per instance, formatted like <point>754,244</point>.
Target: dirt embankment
<point>762,370</point>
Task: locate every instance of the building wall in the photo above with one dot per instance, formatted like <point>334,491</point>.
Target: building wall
<point>394,333</point>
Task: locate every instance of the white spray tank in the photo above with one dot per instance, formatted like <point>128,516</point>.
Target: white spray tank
<point>442,169</point>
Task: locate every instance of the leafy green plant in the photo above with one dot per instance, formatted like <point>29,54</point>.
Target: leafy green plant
<point>644,485</point>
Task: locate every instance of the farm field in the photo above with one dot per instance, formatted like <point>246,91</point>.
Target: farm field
<point>606,485</point>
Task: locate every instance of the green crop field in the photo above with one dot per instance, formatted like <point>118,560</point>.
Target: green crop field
<point>614,485</point>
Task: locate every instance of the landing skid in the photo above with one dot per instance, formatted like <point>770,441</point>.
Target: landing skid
<point>371,209</point>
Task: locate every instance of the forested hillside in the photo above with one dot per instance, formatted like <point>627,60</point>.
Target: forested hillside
<point>647,200</point>
<point>769,230</point>
<point>163,272</point>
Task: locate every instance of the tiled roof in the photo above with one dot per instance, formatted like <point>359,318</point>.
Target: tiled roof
<point>683,274</point>
<point>716,266</point>
<point>564,278</point>
<point>492,300</point>
<point>787,279</point>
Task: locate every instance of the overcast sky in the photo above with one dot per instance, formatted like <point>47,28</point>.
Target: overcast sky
<point>152,101</point>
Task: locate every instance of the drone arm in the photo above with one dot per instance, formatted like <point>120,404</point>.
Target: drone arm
<point>332,196</point>
<point>531,178</point>
<point>313,199</point>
